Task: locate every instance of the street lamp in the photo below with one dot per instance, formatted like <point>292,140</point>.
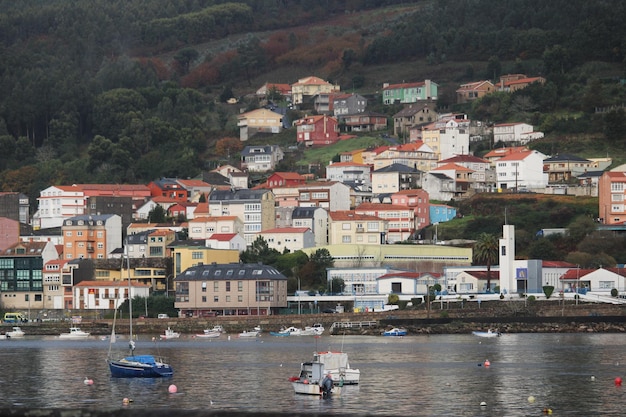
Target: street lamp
<point>298,295</point>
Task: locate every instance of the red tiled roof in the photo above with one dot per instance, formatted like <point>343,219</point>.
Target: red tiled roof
<point>222,237</point>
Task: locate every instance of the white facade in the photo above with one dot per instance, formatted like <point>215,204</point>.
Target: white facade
<point>521,170</point>
<point>205,227</point>
<point>358,281</point>
<point>105,295</point>
<point>236,242</point>
<point>290,238</point>
<point>514,132</point>
<point>316,220</point>
<point>350,172</point>
<point>56,204</point>
<point>508,280</point>
<point>454,138</point>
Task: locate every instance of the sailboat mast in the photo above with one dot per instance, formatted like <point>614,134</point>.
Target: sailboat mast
<point>130,300</point>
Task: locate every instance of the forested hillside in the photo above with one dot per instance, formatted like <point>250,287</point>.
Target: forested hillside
<point>129,91</point>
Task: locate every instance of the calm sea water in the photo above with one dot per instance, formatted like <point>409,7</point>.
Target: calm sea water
<point>443,375</point>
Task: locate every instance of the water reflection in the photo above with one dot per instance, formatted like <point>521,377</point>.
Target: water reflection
<point>418,376</point>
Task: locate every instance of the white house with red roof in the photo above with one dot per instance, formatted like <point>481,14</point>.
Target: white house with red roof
<point>408,283</point>
<point>226,241</point>
<point>106,295</point>
<point>289,238</point>
<point>447,136</point>
<point>57,203</point>
<point>521,170</point>
<point>206,226</point>
<point>493,155</point>
<point>600,281</point>
<point>483,177</point>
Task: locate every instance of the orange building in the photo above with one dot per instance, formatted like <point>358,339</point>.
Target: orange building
<point>91,237</point>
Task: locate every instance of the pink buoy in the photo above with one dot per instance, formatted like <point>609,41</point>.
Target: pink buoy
<point>487,363</point>
<point>172,389</point>
<point>618,381</point>
<point>88,381</point>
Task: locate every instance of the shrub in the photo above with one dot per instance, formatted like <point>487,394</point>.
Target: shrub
<point>614,292</point>
<point>416,301</point>
<point>548,290</point>
<point>531,298</point>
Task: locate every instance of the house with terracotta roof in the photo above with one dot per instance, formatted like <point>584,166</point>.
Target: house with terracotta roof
<point>400,219</point>
<point>306,88</point>
<point>195,188</point>
<point>483,177</point>
<point>206,226</point>
<point>268,88</point>
<point>319,130</point>
<point>284,179</point>
<point>408,283</point>
<point>259,121</point>
<point>521,170</point>
<point>518,133</point>
<point>289,238</point>
<point>601,280</point>
<point>348,227</point>
<point>473,91</point>
<point>418,201</point>
<point>181,210</point>
<point>56,203</point>
<point>510,83</point>
<point>495,154</point>
<point>168,188</point>
<point>227,241</point>
<point>411,115</point>
<point>406,93</point>
<point>416,155</point>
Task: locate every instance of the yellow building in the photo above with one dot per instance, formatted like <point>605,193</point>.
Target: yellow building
<point>346,227</point>
<point>308,87</point>
<point>186,254</point>
<point>259,121</point>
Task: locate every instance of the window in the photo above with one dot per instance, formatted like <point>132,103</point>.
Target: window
<point>216,286</point>
<point>216,299</point>
<point>345,226</point>
<point>346,239</point>
<point>228,286</point>
<point>196,255</point>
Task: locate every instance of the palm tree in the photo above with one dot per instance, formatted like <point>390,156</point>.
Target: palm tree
<point>486,251</point>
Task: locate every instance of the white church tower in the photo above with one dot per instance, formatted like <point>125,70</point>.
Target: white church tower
<point>508,280</point>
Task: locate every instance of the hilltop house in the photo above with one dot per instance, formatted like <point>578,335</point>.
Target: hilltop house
<point>259,121</point>
<point>303,91</point>
<point>521,170</point>
<point>473,91</point>
<point>317,130</point>
<point>411,115</point>
<point>261,158</point>
<point>406,93</point>
<point>520,133</point>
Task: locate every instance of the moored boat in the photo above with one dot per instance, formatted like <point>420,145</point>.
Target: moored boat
<point>396,331</point>
<point>311,379</point>
<point>170,334</point>
<point>488,333</point>
<point>315,330</point>
<point>75,333</point>
<point>289,331</point>
<point>336,363</point>
<point>209,334</point>
<point>251,333</point>
<point>15,333</point>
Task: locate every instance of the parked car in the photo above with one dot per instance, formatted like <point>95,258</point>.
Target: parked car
<point>163,316</point>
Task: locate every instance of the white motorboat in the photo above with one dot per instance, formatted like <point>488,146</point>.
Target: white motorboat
<point>170,334</point>
<point>289,331</point>
<point>251,333</point>
<point>310,380</point>
<point>15,333</point>
<point>315,330</point>
<point>209,334</point>
<point>75,333</point>
<point>336,363</point>
<point>488,333</point>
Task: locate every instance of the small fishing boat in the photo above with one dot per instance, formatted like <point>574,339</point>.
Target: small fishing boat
<point>315,330</point>
<point>396,331</point>
<point>75,333</point>
<point>310,380</point>
<point>251,333</point>
<point>336,363</point>
<point>15,333</point>
<point>170,334</point>
<point>209,334</point>
<point>289,331</point>
<point>488,333</point>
